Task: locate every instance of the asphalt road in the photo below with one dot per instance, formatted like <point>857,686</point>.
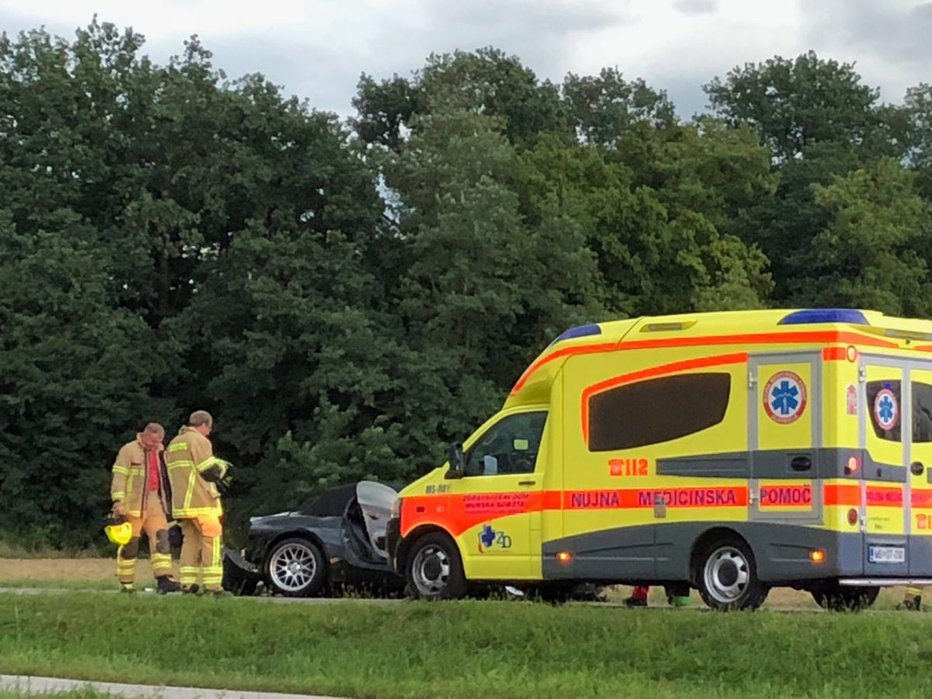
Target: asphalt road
<point>25,684</point>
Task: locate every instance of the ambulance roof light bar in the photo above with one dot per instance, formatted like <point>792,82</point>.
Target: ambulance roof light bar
<point>578,331</point>
<point>825,315</point>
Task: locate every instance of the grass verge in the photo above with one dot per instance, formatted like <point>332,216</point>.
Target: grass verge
<point>73,694</point>
<point>464,649</point>
<point>63,584</point>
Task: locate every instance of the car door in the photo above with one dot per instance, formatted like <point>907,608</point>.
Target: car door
<point>376,500</point>
<point>499,496</point>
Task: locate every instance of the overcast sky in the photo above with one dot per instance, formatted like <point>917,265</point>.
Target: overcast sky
<point>317,49</point>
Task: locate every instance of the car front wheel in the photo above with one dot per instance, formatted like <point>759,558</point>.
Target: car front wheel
<point>296,568</point>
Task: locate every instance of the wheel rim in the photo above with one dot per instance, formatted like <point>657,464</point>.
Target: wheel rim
<point>726,574</point>
<point>293,567</point>
<point>430,570</point>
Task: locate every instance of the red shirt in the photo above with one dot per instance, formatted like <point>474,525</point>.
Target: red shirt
<point>152,470</point>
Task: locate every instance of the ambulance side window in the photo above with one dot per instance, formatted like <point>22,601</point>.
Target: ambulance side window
<point>884,407</point>
<point>922,412</point>
<point>657,410</point>
<point>509,446</point>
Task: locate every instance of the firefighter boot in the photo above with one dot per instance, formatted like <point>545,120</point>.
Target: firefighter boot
<point>165,584</point>
<point>677,594</point>
<point>911,603</point>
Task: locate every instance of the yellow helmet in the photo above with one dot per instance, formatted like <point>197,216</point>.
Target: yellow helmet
<point>119,534</point>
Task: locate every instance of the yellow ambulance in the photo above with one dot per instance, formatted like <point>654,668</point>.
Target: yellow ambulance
<point>732,452</point>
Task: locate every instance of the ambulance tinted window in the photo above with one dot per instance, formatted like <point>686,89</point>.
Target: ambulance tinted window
<point>658,410</point>
<point>883,405</point>
<point>922,412</point>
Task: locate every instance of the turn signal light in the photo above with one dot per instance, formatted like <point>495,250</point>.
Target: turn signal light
<point>564,557</point>
<point>852,466</point>
<point>851,353</point>
<point>852,516</point>
<point>817,555</point>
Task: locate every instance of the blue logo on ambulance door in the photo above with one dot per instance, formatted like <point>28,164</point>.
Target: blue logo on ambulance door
<point>886,409</point>
<point>785,397</point>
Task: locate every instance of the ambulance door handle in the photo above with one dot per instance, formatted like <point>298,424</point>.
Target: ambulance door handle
<point>527,482</point>
<point>801,463</point>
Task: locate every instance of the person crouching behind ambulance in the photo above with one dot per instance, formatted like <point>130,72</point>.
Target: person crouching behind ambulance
<point>912,601</point>
<point>194,470</point>
<point>139,492</point>
<point>677,596</point>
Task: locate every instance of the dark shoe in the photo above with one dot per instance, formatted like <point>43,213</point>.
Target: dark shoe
<point>221,593</point>
<point>190,589</point>
<point>632,602</point>
<point>165,585</point>
<point>912,603</point>
<point>127,588</point>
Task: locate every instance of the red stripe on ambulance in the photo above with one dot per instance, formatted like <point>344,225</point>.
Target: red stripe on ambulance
<point>642,498</point>
<point>781,496</point>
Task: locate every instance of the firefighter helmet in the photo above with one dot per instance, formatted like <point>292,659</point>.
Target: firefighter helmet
<point>119,531</point>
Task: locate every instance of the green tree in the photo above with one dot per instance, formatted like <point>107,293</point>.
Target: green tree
<point>75,380</point>
<point>869,253</point>
<point>797,103</point>
<point>487,80</point>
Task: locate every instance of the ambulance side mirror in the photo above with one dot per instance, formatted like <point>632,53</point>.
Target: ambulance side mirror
<point>457,462</point>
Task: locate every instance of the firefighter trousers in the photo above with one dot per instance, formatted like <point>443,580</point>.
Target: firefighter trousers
<point>154,524</point>
<point>202,552</point>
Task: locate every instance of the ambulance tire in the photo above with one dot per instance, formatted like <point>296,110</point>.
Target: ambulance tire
<point>846,599</point>
<point>434,570</point>
<point>726,575</point>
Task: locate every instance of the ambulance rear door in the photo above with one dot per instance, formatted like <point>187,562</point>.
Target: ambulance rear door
<point>918,447</point>
<point>884,394</point>
<point>784,434</point>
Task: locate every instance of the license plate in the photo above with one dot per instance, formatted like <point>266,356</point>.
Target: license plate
<point>886,554</point>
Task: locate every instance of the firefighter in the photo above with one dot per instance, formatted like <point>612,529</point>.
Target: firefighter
<point>912,602</point>
<point>139,491</point>
<point>194,471</point>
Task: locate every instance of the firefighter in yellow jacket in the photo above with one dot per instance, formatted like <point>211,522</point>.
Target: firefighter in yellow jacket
<point>194,471</point>
<point>140,495</point>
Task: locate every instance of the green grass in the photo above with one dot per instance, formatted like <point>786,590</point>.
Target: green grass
<point>61,584</point>
<point>465,649</point>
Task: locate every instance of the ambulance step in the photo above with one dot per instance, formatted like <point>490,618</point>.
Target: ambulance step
<point>884,582</point>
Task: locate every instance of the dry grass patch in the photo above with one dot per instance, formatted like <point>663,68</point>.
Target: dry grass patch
<point>90,569</point>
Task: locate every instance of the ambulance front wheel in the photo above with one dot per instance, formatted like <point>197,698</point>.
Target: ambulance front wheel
<point>434,569</point>
<point>727,576</point>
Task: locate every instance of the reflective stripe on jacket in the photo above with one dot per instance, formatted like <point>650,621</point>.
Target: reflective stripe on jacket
<point>128,484</point>
<point>187,457</point>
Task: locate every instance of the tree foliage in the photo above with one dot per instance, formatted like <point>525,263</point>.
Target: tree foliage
<point>349,297</point>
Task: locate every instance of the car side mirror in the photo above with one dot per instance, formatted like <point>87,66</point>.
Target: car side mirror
<point>457,462</point>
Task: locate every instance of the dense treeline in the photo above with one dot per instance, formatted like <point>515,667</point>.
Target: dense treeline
<point>347,298</point>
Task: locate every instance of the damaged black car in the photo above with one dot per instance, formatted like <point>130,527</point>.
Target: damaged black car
<point>334,542</point>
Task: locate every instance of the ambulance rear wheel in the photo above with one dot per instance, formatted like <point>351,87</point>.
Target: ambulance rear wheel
<point>434,570</point>
<point>727,576</point>
<point>846,599</point>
